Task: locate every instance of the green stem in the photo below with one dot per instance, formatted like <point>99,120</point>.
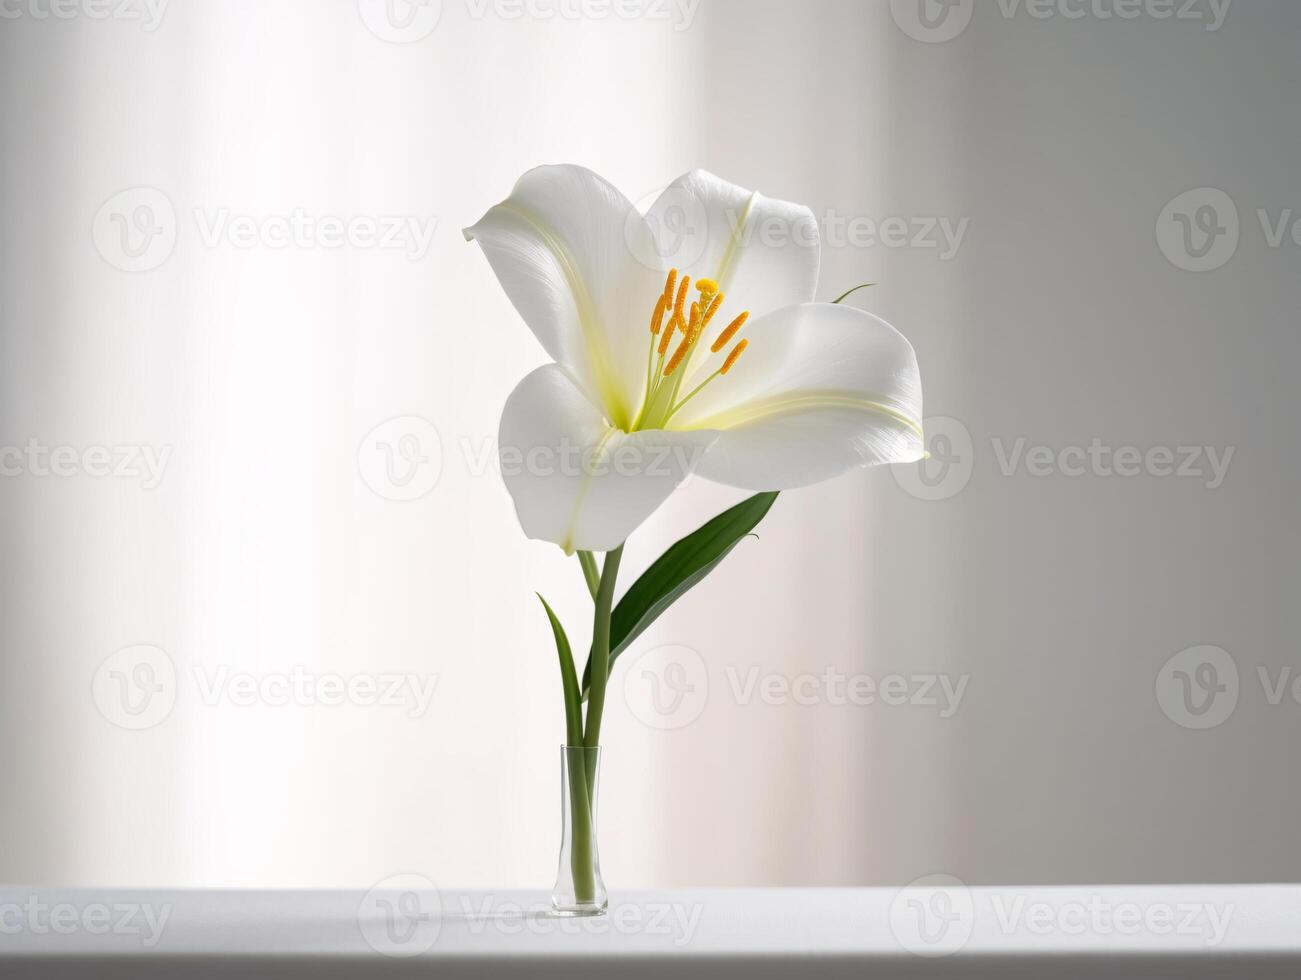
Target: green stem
<point>590,573</point>
<point>601,647</point>
<point>581,761</point>
<point>580,816</point>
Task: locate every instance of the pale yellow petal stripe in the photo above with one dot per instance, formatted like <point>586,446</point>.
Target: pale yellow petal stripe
<point>786,404</point>
<point>597,348</point>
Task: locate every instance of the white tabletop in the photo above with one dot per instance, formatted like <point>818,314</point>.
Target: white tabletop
<point>404,927</point>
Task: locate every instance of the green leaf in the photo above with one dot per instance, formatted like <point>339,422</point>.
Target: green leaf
<point>680,567</point>
<point>568,679</point>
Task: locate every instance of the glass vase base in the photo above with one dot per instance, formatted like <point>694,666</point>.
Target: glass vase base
<point>579,889</point>
<point>577,911</point>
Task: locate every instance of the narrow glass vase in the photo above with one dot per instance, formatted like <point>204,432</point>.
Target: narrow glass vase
<point>579,889</point>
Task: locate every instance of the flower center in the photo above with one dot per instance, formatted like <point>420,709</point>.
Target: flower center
<point>665,372</point>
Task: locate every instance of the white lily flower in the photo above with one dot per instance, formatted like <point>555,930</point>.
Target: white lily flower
<point>645,320</point>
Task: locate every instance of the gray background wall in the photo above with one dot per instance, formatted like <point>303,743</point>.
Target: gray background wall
<point>1064,316</point>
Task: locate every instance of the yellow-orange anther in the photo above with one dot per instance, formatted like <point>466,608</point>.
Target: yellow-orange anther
<point>657,318</point>
<point>682,297</point>
<point>669,286</point>
<point>714,304</point>
<point>692,335</point>
<point>675,323</point>
<point>730,332</point>
<point>707,286</point>
<point>678,356</point>
<point>731,358</point>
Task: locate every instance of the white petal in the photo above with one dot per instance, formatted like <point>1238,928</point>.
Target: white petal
<point>763,253</point>
<point>578,262</point>
<point>820,389</point>
<point>577,481</point>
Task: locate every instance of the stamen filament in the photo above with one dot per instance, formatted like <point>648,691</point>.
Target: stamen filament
<point>692,394</point>
<point>663,304</point>
<point>727,366</point>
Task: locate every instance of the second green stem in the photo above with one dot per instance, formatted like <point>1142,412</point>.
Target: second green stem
<point>582,762</point>
<point>601,647</point>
